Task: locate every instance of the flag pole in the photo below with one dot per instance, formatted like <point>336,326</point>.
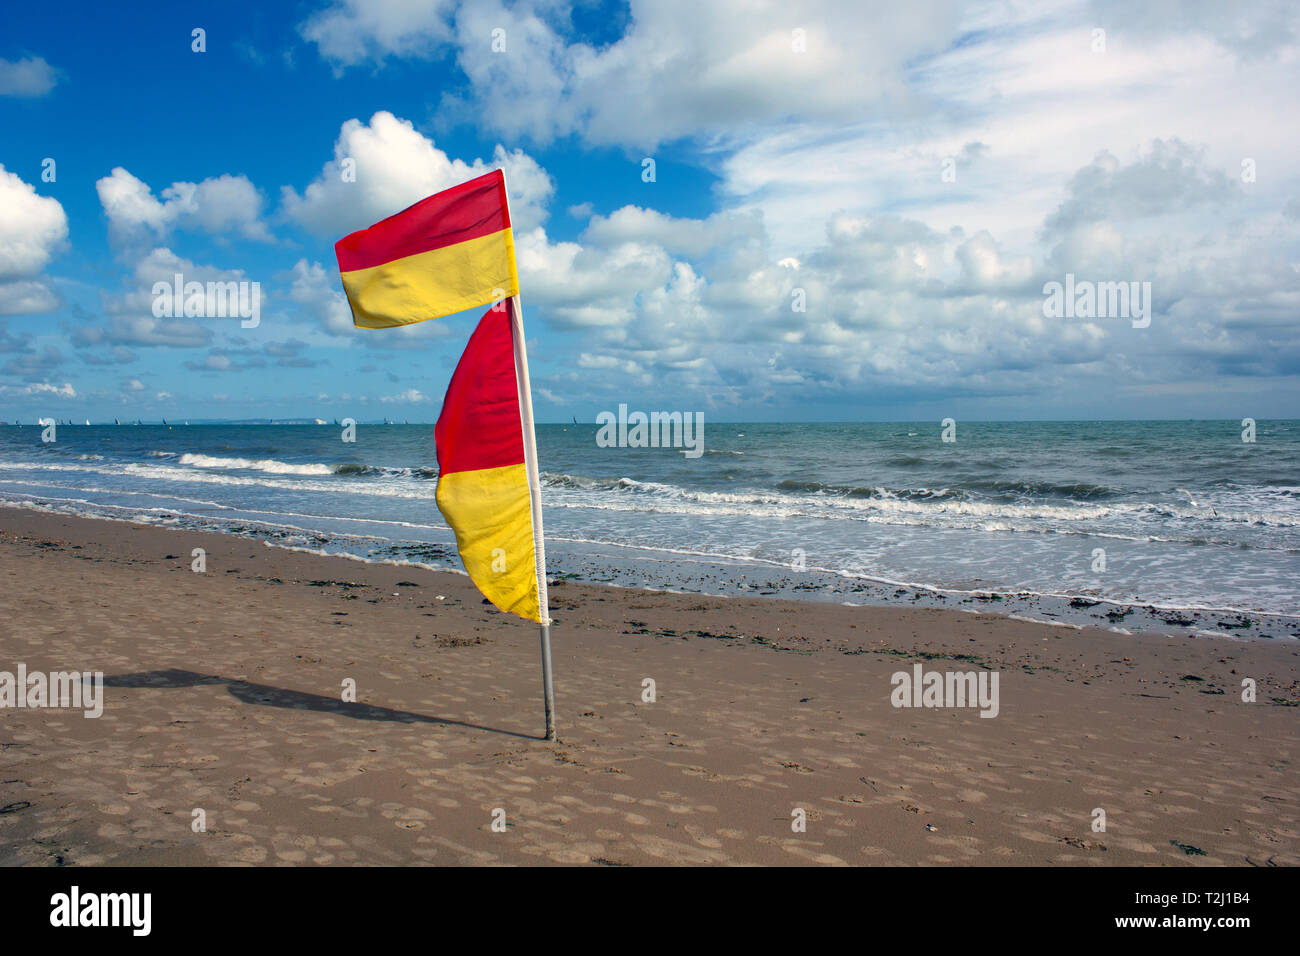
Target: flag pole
<point>535,496</point>
<point>534,485</point>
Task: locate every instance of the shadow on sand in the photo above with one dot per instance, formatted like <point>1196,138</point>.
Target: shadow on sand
<point>263,695</point>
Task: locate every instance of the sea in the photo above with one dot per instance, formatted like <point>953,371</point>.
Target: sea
<point>1127,525</point>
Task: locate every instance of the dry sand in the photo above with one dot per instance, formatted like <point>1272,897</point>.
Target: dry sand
<point>223,692</point>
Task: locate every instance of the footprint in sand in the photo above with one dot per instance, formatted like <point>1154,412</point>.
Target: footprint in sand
<point>702,838</point>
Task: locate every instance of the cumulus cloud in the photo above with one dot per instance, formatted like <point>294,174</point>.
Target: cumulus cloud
<point>27,78</point>
<point>681,236</point>
<point>220,205</point>
<point>27,297</point>
<point>1258,29</point>
<point>412,396</point>
<point>381,167</point>
<point>348,32</point>
<point>1171,177</point>
<point>1018,106</point>
<point>682,67</point>
<point>131,321</point>
<point>33,228</point>
<point>228,360</point>
<point>887,306</point>
<point>318,292</point>
<point>40,388</point>
<point>844,262</point>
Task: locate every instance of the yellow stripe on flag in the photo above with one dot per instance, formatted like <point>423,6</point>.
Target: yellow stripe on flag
<point>491,513</point>
<point>432,284</point>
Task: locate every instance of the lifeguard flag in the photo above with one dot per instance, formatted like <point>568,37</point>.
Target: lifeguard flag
<point>482,478</point>
<point>450,252</point>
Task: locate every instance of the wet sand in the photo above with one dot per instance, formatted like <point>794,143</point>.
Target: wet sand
<point>223,692</point>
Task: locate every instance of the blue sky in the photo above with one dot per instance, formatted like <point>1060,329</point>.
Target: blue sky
<point>914,175</point>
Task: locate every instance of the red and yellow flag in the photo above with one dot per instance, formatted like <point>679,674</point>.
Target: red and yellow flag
<point>450,252</point>
<point>482,479</point>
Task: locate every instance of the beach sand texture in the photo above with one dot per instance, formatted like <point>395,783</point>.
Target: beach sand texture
<point>223,692</point>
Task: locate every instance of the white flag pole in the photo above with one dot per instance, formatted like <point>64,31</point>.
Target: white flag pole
<point>535,496</point>
<point>534,491</point>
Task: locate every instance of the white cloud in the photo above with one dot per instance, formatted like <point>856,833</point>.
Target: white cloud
<point>1027,87</point>
<point>1122,165</point>
<point>689,237</point>
<point>130,313</point>
<point>682,68</point>
<point>348,32</point>
<point>40,388</point>
<point>703,307</point>
<point>30,77</point>
<point>585,286</point>
<point>319,293</point>
<point>396,166</point>
<point>27,297</point>
<point>32,229</point>
<point>219,205</point>
<point>412,396</point>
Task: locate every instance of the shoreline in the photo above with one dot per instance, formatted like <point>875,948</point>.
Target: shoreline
<point>222,693</point>
<point>819,585</point>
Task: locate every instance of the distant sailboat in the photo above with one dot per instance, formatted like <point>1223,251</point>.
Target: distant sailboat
<point>116,422</point>
<point>87,421</point>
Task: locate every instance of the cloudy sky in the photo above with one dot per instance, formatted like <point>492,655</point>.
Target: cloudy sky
<point>912,174</point>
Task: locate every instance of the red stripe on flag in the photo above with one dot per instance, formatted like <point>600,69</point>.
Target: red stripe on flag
<point>469,211</point>
<point>479,426</point>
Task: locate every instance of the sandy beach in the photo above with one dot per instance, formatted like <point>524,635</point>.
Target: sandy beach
<point>223,692</point>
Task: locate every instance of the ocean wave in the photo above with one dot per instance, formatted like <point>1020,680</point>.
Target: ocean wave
<point>268,465</point>
<point>352,470</point>
<point>852,491</point>
<point>943,507</point>
<point>271,466</point>
<point>411,490</point>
